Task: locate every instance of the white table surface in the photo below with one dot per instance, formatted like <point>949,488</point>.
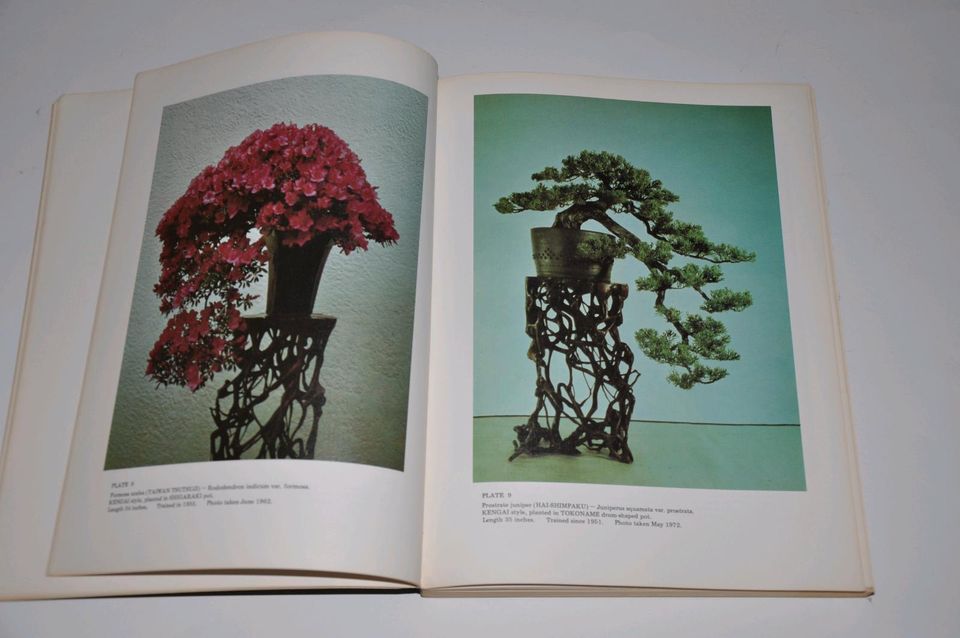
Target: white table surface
<point>887,82</point>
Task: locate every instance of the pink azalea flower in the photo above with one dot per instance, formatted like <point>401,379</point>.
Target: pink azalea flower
<point>298,182</point>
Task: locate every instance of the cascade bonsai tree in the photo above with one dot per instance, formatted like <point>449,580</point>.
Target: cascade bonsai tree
<point>287,186</point>
<point>603,187</point>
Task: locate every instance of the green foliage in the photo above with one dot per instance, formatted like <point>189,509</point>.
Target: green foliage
<point>602,248</point>
<point>667,348</point>
<point>587,184</point>
<point>598,186</point>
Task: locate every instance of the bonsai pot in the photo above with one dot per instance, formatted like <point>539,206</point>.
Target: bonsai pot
<point>294,274</point>
<point>557,254</point>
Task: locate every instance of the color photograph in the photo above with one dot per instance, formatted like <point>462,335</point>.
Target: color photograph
<point>631,321</point>
<point>272,315</point>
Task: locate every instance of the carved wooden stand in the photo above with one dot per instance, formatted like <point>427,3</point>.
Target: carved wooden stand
<point>574,325</point>
<point>284,354</point>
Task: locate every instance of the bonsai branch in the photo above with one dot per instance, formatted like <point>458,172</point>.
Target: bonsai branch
<point>597,186</point>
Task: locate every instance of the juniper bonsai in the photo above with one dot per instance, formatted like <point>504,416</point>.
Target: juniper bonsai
<point>599,186</point>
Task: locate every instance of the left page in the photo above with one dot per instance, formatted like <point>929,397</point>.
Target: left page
<point>310,154</point>
<point>57,322</point>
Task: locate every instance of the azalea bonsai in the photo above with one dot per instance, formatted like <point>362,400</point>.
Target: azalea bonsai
<point>288,187</point>
<point>604,188</point>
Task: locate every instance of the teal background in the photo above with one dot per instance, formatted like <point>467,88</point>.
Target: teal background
<point>366,369</point>
<point>720,161</point>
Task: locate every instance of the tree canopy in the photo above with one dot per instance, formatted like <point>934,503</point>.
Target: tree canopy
<point>600,186</point>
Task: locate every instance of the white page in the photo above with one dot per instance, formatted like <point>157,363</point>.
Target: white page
<point>56,334</point>
<point>339,522</point>
<point>810,539</point>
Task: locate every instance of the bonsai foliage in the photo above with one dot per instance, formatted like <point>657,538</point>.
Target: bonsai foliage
<point>600,187</point>
<point>298,183</point>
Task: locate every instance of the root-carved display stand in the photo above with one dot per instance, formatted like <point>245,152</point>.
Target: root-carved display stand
<point>585,373</point>
<point>283,358</point>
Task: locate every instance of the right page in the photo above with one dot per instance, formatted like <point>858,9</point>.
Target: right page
<point>636,369</point>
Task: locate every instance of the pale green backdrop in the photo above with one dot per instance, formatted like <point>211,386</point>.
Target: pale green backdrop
<point>720,161</point>
<point>366,369</point>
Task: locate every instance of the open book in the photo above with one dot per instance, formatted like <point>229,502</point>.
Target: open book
<point>286,329</point>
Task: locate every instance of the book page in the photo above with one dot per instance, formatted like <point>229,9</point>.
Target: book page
<point>57,324</point>
<point>679,423</point>
<point>208,346</point>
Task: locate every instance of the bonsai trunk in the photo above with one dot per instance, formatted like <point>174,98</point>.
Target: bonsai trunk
<point>576,215</point>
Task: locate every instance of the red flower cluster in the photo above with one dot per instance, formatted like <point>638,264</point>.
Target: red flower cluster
<point>297,182</point>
